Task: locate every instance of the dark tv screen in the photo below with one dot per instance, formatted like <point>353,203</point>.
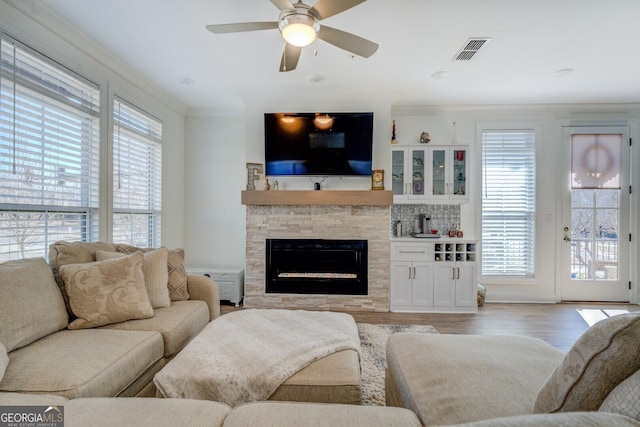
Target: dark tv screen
<point>318,144</point>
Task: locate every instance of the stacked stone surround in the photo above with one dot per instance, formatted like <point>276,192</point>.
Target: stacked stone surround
<point>369,223</point>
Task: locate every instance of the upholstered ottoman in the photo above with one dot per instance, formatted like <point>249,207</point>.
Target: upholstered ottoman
<point>332,379</point>
<point>213,365</point>
<point>454,379</point>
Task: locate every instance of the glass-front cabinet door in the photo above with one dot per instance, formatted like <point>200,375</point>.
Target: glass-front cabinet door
<point>459,168</point>
<point>397,172</point>
<point>418,161</point>
<point>439,171</point>
<point>448,173</point>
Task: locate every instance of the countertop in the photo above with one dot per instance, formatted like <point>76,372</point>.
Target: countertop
<point>446,239</point>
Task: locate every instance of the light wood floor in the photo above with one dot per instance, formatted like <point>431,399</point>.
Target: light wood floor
<point>558,324</point>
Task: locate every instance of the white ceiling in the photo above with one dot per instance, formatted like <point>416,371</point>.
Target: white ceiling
<point>166,40</point>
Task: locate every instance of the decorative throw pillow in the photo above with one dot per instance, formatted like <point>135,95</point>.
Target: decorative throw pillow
<point>177,282</point>
<point>31,305</point>
<point>625,398</point>
<point>4,360</point>
<point>604,356</point>
<point>104,292</point>
<point>63,252</point>
<point>154,270</point>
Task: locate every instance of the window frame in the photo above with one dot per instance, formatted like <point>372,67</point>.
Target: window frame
<point>47,90</point>
<point>530,274</point>
<point>134,126</point>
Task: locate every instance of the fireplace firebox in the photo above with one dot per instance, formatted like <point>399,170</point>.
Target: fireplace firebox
<point>316,266</point>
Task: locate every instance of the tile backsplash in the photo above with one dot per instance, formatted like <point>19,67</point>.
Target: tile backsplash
<point>443,217</point>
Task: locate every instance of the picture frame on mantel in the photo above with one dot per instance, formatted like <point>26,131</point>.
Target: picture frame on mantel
<point>253,174</point>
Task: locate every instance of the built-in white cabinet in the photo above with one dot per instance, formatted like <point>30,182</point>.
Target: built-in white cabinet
<point>434,174</point>
<point>434,277</point>
<point>411,276</point>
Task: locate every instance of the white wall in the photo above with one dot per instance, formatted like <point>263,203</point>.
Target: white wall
<point>38,28</point>
<point>215,175</point>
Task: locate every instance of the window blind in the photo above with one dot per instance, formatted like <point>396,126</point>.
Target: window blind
<point>49,153</point>
<point>508,202</point>
<point>137,176</point>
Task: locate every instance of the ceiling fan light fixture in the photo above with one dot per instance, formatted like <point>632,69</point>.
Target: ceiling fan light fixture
<point>299,29</point>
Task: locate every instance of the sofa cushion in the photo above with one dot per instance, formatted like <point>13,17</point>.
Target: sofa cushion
<point>605,355</point>
<point>24,399</point>
<point>625,398</point>
<point>4,360</point>
<point>82,363</point>
<point>277,414</point>
<point>449,379</point>
<point>154,270</point>
<point>569,419</point>
<point>31,305</point>
<point>108,291</point>
<point>177,282</point>
<point>63,253</point>
<point>144,412</point>
<point>178,324</point>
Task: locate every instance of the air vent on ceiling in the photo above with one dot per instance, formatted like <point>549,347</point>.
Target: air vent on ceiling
<point>470,48</point>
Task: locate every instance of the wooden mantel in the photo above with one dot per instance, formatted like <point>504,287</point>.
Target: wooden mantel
<point>321,197</point>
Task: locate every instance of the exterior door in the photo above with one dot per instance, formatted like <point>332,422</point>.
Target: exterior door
<point>595,214</point>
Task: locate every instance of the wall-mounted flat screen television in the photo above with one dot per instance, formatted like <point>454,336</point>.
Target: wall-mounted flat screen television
<point>318,144</point>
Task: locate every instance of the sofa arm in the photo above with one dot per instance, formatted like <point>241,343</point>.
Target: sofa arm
<point>205,289</point>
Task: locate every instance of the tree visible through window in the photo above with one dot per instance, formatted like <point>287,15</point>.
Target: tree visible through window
<point>49,153</point>
<point>508,202</point>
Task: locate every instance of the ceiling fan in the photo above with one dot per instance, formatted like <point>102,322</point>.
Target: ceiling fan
<point>300,25</point>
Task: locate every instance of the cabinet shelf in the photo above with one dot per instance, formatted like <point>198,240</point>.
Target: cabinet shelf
<point>451,252</point>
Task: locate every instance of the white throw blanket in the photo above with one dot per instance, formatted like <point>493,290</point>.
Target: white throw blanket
<point>244,356</point>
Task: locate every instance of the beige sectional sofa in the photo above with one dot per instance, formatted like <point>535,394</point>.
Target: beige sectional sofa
<point>53,351</point>
<point>513,381</point>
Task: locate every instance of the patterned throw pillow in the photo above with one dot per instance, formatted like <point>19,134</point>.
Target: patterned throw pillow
<point>177,282</point>
<point>604,356</point>
<point>104,292</point>
<point>154,270</point>
<point>625,399</point>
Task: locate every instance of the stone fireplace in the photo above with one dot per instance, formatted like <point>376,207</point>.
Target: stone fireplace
<point>309,215</point>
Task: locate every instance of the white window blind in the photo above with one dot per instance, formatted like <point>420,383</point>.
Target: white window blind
<point>508,202</point>
<point>49,153</point>
<point>137,176</point>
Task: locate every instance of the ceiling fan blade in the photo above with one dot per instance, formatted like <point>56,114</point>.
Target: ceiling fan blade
<point>326,8</point>
<point>283,4</point>
<point>239,27</point>
<point>290,57</point>
<point>347,41</point>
